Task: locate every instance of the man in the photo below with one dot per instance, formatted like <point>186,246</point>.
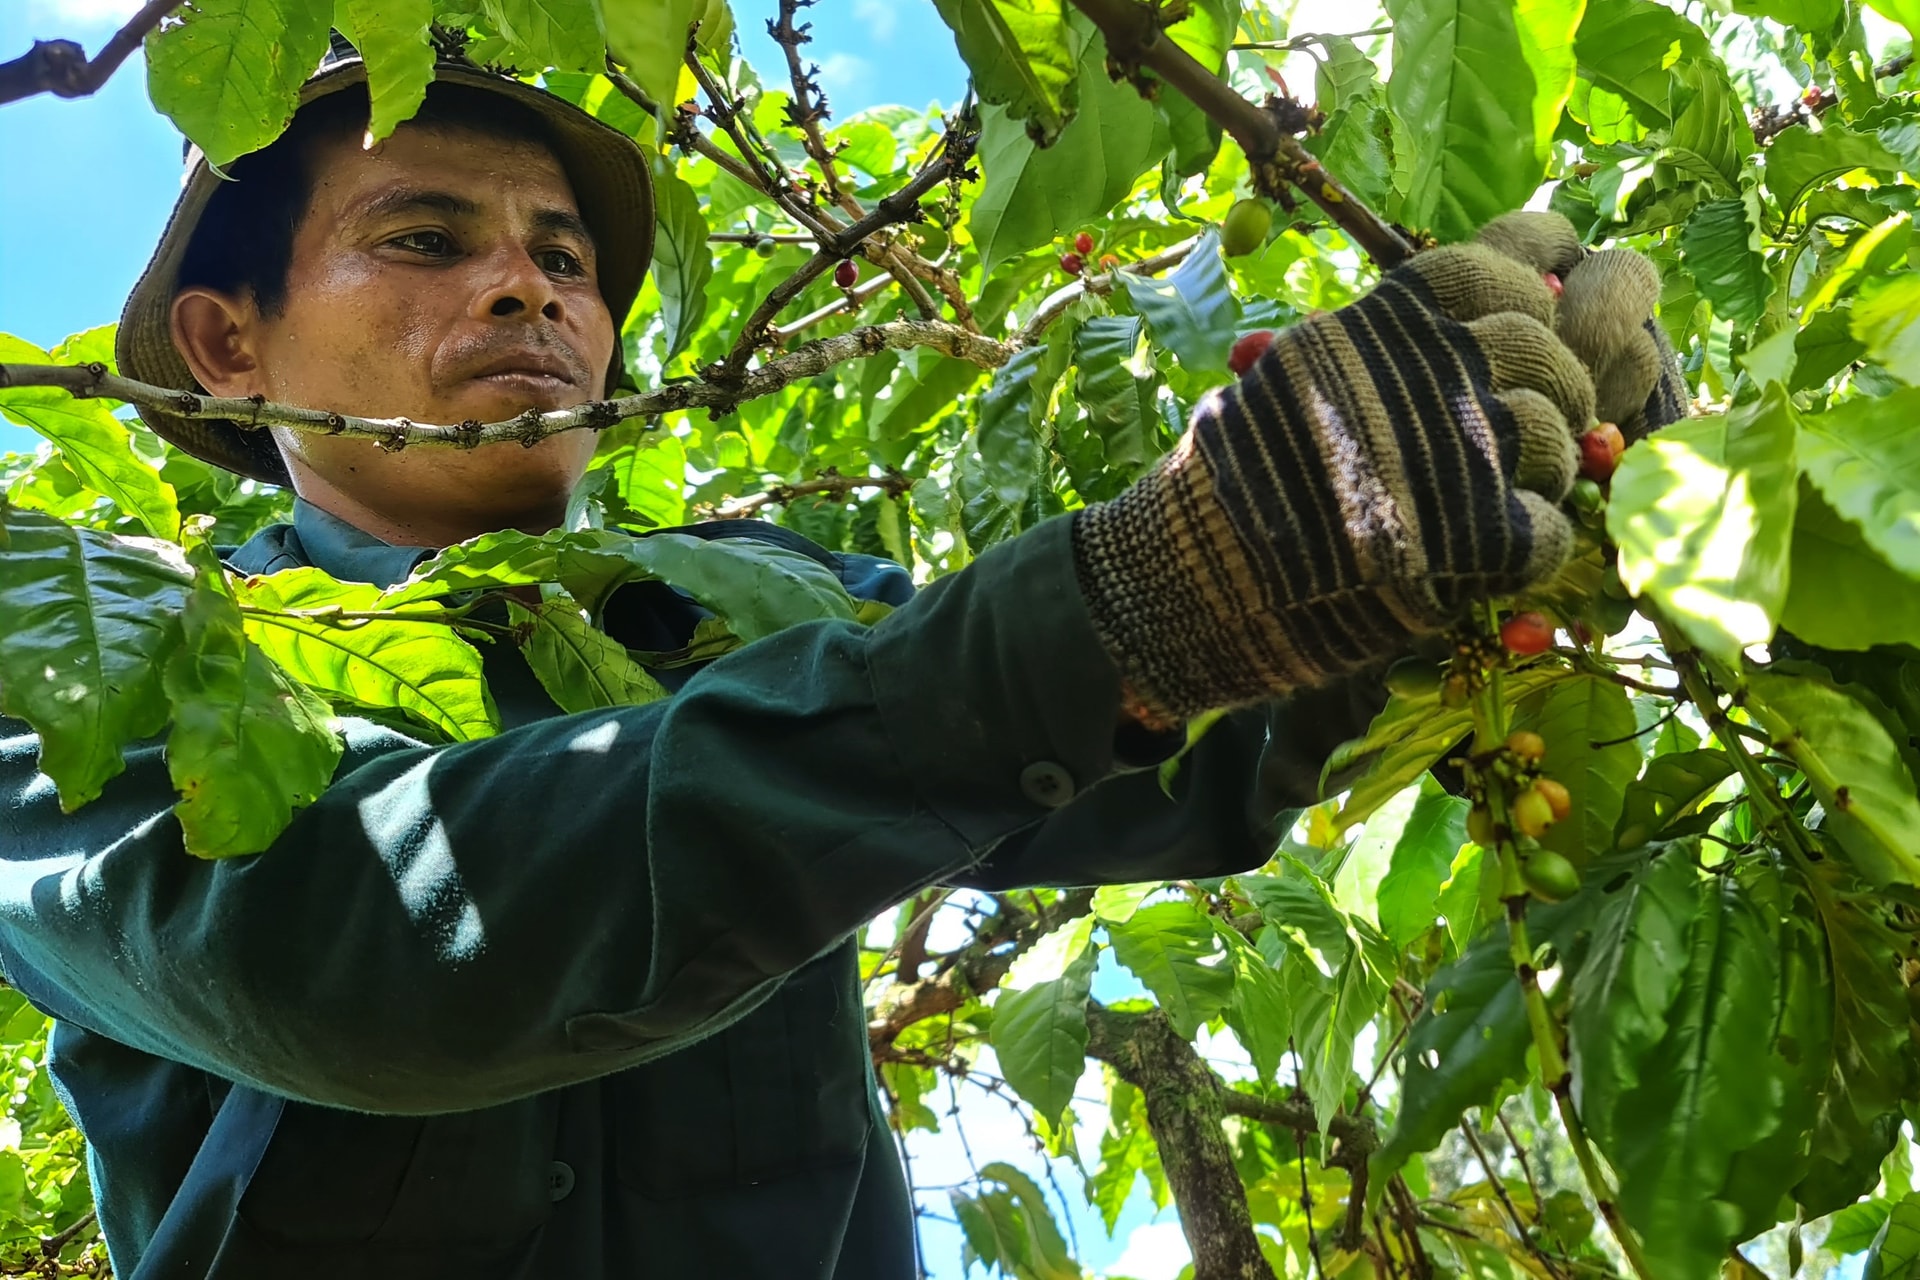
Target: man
<point>580,1000</point>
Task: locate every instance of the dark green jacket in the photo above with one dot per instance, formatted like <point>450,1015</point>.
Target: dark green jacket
<point>579,1001</point>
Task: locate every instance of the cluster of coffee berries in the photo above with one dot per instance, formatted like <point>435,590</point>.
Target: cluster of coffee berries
<point>1538,803</point>
<point>1074,261</point>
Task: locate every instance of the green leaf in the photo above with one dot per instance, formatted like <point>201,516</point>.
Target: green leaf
<point>1695,1078</point>
<point>1628,46</point>
<point>1021,58</point>
<point>1720,247</point>
<point>1011,411</point>
<point>1357,140</point>
<point>1843,595</point>
<point>248,747</point>
<point>566,34</point>
<point>392,37</point>
<point>1872,255</point>
<point>1710,138</point>
<point>90,623</point>
<point>91,440</point>
<point>1864,456</point>
<point>1860,1107</point>
<point>228,73</point>
<point>1904,12</point>
<point>758,588</point>
<point>1854,768</point>
<point>1626,986</point>
<point>1405,739</point>
<point>650,39</point>
<point>1886,318</point>
<point>1478,86</point>
<point>1470,1038</point>
<point>1673,785</point>
<point>682,262</point>
<point>421,669</point>
<point>1116,903</point>
<point>1798,160</point>
<point>1040,1019</point>
<point>1044,1253</point>
<point>1191,311</point>
<point>1117,388</point>
<point>1033,195</point>
<point>579,665</point>
<point>1895,1251</point>
<point>1703,514</point>
<point>1578,714</point>
<point>1171,948</point>
<point>1257,1014</point>
<point>1410,893</point>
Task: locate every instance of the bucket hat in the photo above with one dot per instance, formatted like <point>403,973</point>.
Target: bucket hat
<point>608,172</point>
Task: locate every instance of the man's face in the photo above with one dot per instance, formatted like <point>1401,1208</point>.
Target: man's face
<point>442,276</point>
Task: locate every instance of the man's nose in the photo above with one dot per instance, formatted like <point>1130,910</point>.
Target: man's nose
<point>516,285</point>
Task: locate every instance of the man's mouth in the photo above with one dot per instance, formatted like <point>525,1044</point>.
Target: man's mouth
<point>527,370</point>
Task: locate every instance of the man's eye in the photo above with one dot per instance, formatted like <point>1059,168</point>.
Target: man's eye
<point>559,262</point>
<point>434,244</point>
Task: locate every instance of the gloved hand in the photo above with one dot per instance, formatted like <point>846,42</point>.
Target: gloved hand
<point>1379,468</point>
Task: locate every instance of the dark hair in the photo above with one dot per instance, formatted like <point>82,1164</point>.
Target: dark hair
<point>245,237</point>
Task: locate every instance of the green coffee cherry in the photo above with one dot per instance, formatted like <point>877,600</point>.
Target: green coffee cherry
<point>1550,877</point>
<point>1414,678</point>
<point>1246,227</point>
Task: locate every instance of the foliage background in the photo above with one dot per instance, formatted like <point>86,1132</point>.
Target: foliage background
<point>67,292</point>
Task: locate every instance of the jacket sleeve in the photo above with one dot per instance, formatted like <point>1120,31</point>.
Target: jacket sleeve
<point>449,928</point>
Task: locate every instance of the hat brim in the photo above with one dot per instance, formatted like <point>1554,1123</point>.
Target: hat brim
<point>608,172</point>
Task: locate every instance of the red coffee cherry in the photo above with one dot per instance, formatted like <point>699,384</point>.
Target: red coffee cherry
<point>1072,263</point>
<point>1600,451</point>
<point>1249,349</point>
<point>846,275</point>
<point>1083,244</point>
<point>1526,634</point>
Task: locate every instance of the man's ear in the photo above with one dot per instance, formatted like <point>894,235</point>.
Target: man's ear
<point>214,334</point>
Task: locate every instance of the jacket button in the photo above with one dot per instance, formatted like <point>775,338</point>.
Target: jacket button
<point>1046,783</point>
<point>559,1180</point>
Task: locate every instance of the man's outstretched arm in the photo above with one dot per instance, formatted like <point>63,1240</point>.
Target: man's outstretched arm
<point>453,927</point>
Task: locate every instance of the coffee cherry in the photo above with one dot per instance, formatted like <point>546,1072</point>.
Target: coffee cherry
<point>1588,501</point>
<point>1553,284</point>
<point>765,246</point>
<point>1083,244</point>
<point>1108,262</point>
<point>846,275</point>
<point>1526,634</point>
<point>1529,746</point>
<point>1246,227</point>
<point>1551,877</point>
<point>1414,678</point>
<point>1531,814</point>
<point>1248,350</point>
<point>1600,451</point>
<point>1557,798</point>
<point>1480,827</point>
<point>1072,263</point>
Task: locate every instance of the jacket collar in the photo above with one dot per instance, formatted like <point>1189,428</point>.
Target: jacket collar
<point>331,544</point>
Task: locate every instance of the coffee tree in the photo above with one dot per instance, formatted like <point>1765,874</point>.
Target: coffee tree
<point>1599,957</point>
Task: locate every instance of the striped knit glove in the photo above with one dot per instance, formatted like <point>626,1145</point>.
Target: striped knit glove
<point>1377,470</point>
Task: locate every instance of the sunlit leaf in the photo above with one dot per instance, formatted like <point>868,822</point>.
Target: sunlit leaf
<point>228,73</point>
<point>1021,56</point>
<point>90,623</point>
<point>392,37</point>
<point>1703,514</point>
<point>248,746</point>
